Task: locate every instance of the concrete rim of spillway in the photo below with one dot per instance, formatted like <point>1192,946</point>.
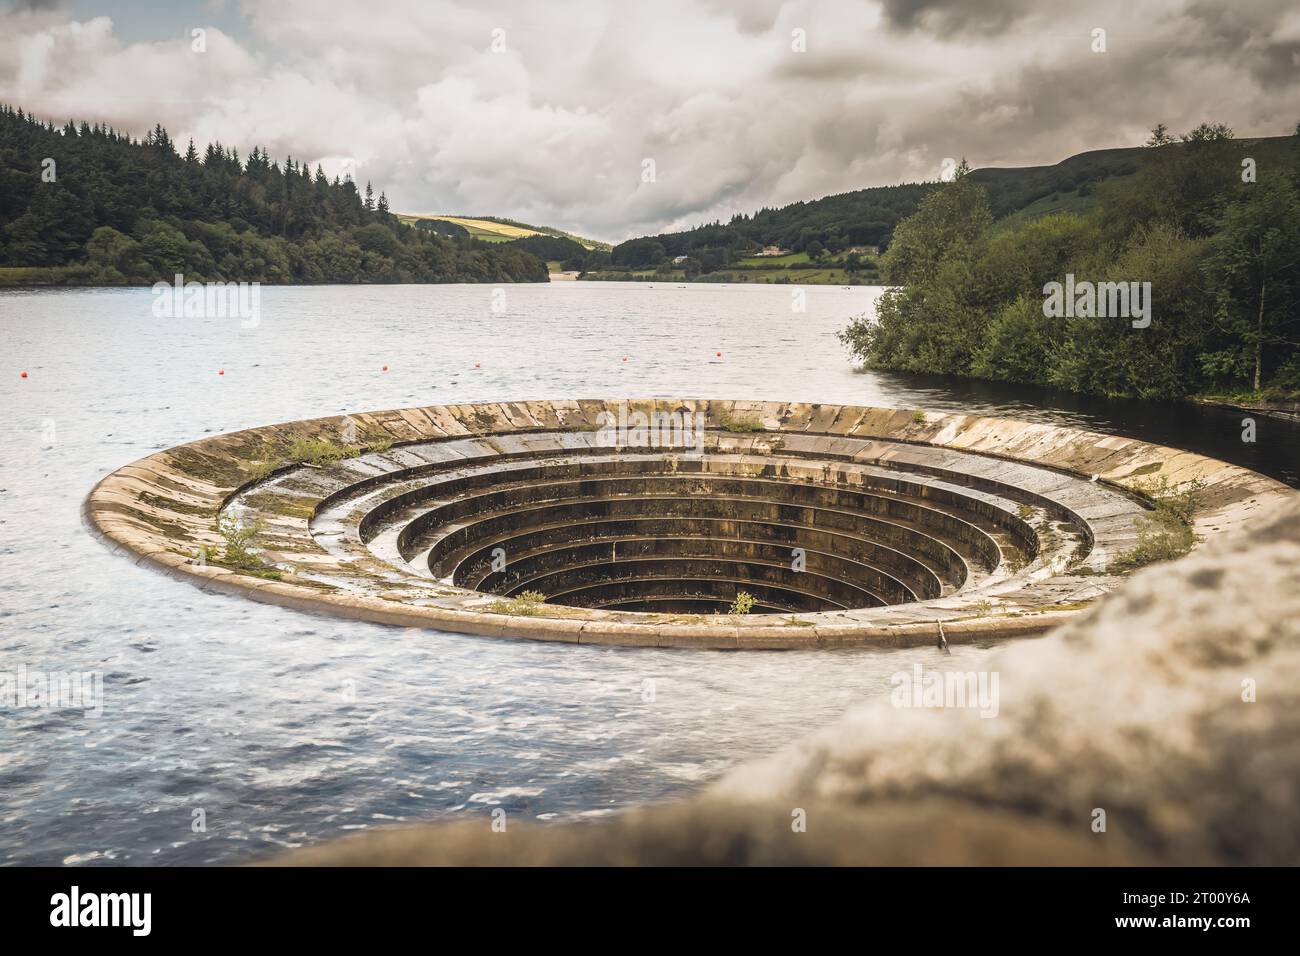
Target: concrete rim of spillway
<point>1019,523</point>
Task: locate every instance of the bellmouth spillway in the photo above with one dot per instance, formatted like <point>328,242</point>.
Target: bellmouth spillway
<point>639,522</point>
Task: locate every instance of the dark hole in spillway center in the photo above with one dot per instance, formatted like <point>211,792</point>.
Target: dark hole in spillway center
<point>666,535</point>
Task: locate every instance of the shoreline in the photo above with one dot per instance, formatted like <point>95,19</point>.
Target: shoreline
<point>1280,411</point>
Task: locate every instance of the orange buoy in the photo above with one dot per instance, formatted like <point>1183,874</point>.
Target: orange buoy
<point>385,368</point>
<point>221,371</point>
<point>24,374</point>
<point>476,364</point>
<point>719,354</point>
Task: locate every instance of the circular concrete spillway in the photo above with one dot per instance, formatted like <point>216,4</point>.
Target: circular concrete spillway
<point>672,533</point>
<point>641,522</point>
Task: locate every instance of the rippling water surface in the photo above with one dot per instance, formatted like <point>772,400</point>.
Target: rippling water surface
<point>285,728</point>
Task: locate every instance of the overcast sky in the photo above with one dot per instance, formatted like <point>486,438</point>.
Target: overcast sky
<point>555,126</point>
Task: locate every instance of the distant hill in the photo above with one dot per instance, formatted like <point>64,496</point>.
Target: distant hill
<point>867,217</point>
<point>494,229</point>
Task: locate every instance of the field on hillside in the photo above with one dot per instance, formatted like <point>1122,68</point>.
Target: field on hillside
<point>773,262</point>
<point>748,277</point>
<point>490,231</point>
<point>482,229</point>
<point>795,268</point>
<point>502,230</point>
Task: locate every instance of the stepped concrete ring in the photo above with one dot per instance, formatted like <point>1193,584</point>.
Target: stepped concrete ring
<point>643,521</point>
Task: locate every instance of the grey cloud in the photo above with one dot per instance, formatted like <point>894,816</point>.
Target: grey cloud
<point>751,16</point>
<point>947,17</point>
<point>555,129</point>
<point>1264,37</point>
<point>843,65</point>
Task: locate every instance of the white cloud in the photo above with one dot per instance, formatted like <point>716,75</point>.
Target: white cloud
<point>554,129</point>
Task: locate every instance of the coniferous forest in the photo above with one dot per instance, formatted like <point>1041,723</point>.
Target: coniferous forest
<point>89,205</point>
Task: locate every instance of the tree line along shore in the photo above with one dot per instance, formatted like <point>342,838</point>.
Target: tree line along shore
<point>85,204</point>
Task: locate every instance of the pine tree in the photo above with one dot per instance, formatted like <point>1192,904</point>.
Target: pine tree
<point>1160,136</point>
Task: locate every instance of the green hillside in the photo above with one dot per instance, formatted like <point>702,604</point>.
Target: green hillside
<point>1019,195</point>
<point>823,231</point>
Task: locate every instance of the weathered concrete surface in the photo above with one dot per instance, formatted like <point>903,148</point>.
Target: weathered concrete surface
<point>1135,708</point>
<point>165,508</point>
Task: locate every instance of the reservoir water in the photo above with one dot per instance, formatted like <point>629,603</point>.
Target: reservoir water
<point>277,729</point>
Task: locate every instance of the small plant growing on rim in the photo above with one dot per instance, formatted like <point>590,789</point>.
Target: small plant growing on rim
<point>731,424</point>
<point>262,470</point>
<point>743,604</point>
<point>1167,531</point>
<point>319,451</point>
<point>524,604</point>
<point>236,553</point>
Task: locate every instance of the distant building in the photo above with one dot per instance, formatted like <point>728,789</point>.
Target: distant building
<point>864,250</point>
<point>773,251</point>
<point>678,260</point>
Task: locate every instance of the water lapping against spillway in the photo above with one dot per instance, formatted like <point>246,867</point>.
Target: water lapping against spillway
<point>284,729</point>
